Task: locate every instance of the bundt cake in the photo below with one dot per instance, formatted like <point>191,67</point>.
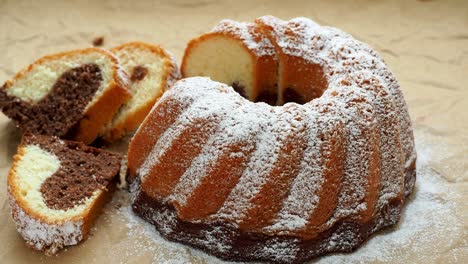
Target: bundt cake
<point>56,189</point>
<point>152,71</point>
<point>70,95</point>
<point>247,181</point>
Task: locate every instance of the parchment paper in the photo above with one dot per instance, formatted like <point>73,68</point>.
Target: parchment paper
<point>424,42</point>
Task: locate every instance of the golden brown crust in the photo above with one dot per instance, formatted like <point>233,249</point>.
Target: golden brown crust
<point>23,214</point>
<point>172,73</point>
<point>14,189</point>
<point>85,220</point>
<point>268,202</point>
<point>13,193</point>
<point>333,162</point>
<point>55,56</point>
<point>147,135</point>
<point>90,216</point>
<point>100,112</point>
<point>309,82</point>
<point>133,120</point>
<point>192,43</point>
<point>143,45</point>
<point>264,75</point>
<point>130,123</point>
<point>353,180</point>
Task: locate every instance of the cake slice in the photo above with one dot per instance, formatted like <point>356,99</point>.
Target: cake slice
<point>71,95</point>
<point>298,46</point>
<point>152,71</point>
<point>237,54</point>
<point>56,189</point>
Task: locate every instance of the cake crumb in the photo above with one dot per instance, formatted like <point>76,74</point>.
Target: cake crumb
<point>98,41</point>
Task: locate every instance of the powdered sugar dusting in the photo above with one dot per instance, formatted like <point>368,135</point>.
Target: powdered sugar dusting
<point>340,54</point>
<point>239,124</point>
<point>296,211</point>
<point>197,109</point>
<point>260,164</point>
<point>44,236</point>
<point>364,102</point>
<point>347,104</point>
<point>429,215</point>
<point>390,147</point>
<point>161,250</point>
<point>248,34</point>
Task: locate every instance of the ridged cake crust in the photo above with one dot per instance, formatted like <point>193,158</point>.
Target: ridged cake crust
<point>161,71</point>
<point>111,94</point>
<point>303,44</point>
<point>251,181</point>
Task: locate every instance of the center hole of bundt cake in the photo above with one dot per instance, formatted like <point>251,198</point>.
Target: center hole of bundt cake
<point>292,96</point>
<point>289,95</point>
<point>295,86</point>
<point>240,89</point>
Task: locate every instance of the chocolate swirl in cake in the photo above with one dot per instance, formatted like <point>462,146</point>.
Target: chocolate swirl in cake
<point>62,108</point>
<point>82,171</point>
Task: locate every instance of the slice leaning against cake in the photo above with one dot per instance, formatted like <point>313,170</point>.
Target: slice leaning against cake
<point>56,189</point>
<point>70,94</point>
<point>152,71</point>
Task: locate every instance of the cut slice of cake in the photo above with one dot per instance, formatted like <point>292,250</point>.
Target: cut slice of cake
<point>56,189</point>
<point>70,95</point>
<point>299,47</point>
<point>237,54</point>
<point>152,71</point>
